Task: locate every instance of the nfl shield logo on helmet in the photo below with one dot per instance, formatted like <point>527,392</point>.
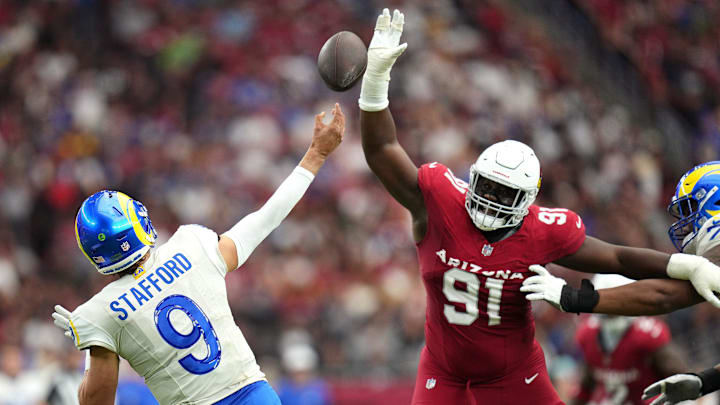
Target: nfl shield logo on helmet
<point>430,383</point>
<point>486,250</point>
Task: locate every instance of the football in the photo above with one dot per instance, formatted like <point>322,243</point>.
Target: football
<point>342,60</point>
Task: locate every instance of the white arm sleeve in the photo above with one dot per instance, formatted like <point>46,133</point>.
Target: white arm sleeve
<point>255,227</point>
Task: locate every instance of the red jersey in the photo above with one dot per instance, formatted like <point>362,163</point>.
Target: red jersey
<point>478,324</point>
<point>622,374</point>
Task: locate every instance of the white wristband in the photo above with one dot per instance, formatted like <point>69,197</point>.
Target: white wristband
<point>374,92</point>
<point>681,265</point>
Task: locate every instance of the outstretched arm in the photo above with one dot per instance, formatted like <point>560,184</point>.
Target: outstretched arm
<point>644,297</point>
<point>596,256</point>
<point>238,243</point>
<point>647,297</point>
<point>386,158</point>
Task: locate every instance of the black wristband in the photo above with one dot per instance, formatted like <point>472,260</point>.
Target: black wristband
<point>710,380</point>
<point>583,300</point>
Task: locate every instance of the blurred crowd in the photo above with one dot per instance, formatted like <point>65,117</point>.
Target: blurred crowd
<point>201,108</point>
<point>674,44</point>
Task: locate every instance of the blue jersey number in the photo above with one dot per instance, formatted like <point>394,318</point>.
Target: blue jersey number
<point>201,326</point>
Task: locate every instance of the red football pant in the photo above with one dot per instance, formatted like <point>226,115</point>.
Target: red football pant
<point>528,384</point>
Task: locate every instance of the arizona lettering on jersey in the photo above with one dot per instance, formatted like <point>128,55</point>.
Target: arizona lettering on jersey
<point>478,324</point>
<point>623,373</point>
<point>171,321</point>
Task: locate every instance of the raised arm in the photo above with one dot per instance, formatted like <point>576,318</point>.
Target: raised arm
<point>389,161</point>
<point>238,243</point>
<point>386,158</point>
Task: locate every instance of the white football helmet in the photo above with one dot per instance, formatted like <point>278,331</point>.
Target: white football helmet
<point>511,164</point>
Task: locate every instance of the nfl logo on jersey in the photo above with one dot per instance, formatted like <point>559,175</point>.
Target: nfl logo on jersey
<point>487,250</point>
<point>430,383</point>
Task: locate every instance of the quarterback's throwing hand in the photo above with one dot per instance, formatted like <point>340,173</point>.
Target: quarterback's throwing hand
<point>674,389</point>
<point>544,286</point>
<point>61,318</point>
<point>327,137</point>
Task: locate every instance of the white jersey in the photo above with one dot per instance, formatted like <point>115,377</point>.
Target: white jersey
<point>171,321</point>
<point>707,237</point>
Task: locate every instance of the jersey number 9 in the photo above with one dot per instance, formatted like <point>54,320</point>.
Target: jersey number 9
<point>200,326</point>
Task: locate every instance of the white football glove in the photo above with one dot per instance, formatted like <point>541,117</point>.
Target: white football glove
<point>544,286</point>
<point>703,275</point>
<point>61,318</point>
<point>384,49</point>
<point>674,389</point>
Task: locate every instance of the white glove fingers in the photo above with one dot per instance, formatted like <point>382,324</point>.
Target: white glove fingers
<point>62,311</point>
<point>59,317</point>
<point>531,288</point>
<point>709,296</point>
<point>61,323</point>
<point>539,270</point>
<point>533,280</point>
<point>399,50</point>
<point>383,21</point>
<point>397,22</point>
<point>537,296</point>
<point>396,28</point>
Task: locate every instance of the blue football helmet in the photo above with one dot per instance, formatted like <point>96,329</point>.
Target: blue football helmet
<point>696,199</point>
<point>113,231</point>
